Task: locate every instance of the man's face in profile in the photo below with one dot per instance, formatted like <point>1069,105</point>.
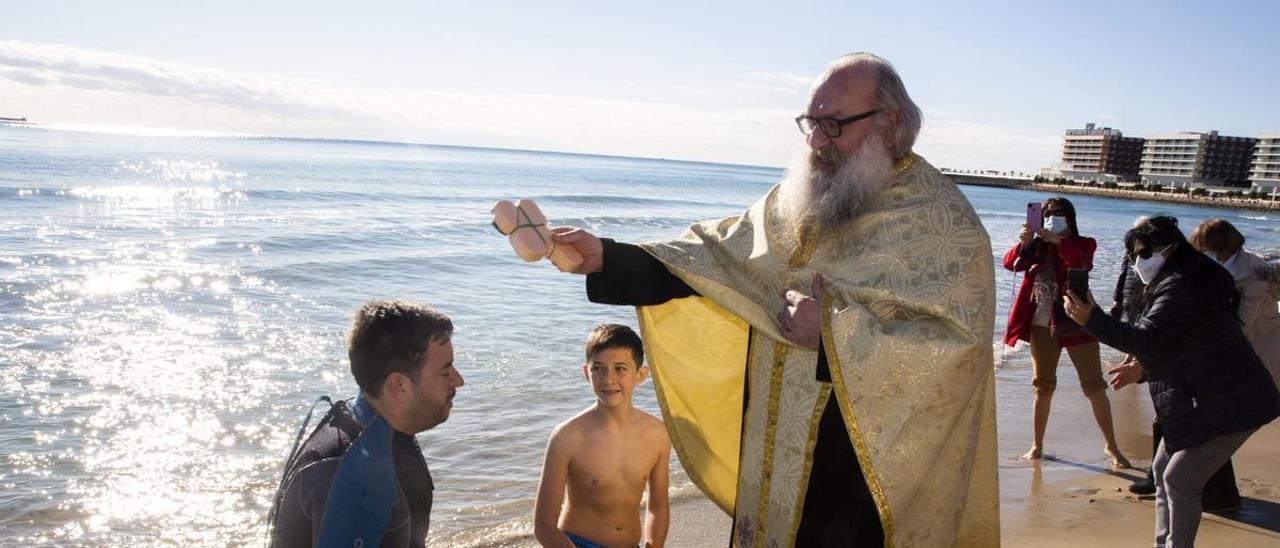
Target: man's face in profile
<point>438,381</point>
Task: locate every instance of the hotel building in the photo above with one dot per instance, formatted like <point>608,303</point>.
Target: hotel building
<point>1192,159</point>
<point>1100,154</point>
<point>1265,175</point>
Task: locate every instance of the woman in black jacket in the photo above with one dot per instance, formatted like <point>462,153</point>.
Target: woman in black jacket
<point>1209,388</point>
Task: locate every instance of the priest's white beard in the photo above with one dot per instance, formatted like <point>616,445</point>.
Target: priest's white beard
<point>811,198</point>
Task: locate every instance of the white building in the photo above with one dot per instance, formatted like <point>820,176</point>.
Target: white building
<point>1195,159</point>
<point>1265,172</point>
<point>1099,154</point>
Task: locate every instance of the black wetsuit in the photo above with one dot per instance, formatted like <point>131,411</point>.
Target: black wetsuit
<point>838,507</point>
<point>306,486</point>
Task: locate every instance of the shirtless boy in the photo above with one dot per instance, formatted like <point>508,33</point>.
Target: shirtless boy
<point>605,456</point>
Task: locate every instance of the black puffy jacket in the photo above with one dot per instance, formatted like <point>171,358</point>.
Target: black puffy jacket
<point>1204,376</point>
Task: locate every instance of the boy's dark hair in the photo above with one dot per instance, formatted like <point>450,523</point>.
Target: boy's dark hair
<point>1216,236</point>
<point>392,336</point>
<point>612,335</point>
<point>1063,205</point>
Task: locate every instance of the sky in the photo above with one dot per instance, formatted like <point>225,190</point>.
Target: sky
<point>999,82</point>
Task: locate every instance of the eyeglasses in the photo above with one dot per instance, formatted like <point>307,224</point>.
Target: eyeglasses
<point>831,127</point>
<point>1144,253</point>
<point>1147,251</point>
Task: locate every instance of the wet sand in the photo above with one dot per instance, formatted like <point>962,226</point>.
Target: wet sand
<point>1073,498</point>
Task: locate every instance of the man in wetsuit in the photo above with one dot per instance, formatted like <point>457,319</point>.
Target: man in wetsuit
<point>380,492</point>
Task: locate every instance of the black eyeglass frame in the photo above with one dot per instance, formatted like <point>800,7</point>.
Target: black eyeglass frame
<point>839,123</point>
<point>1144,253</point>
<point>1147,251</point>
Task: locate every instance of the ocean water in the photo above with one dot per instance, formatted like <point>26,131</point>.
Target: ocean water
<point>171,304</point>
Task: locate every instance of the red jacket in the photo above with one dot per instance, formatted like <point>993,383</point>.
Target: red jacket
<point>1073,252</point>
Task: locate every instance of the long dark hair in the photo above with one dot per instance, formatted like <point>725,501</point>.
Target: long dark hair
<point>1064,205</point>
<point>1214,285</point>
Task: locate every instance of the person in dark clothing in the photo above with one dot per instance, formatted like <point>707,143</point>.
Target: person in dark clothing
<point>1220,492</point>
<point>360,477</point>
<point>1126,300</point>
<point>1210,390</point>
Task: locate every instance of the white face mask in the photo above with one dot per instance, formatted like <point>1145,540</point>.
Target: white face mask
<point>1057,225</point>
<point>1149,267</point>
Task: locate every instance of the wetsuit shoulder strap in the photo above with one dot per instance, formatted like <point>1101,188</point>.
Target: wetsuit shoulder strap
<point>365,488</point>
<point>293,457</point>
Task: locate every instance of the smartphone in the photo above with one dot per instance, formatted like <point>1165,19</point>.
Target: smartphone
<point>1078,282</point>
<point>1035,220</point>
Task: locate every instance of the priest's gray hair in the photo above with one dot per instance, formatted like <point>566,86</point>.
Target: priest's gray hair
<point>891,93</point>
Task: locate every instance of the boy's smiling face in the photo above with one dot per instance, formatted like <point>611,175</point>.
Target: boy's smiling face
<point>614,375</point>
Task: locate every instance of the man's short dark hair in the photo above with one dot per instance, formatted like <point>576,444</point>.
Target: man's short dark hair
<point>392,336</point>
<point>612,335</point>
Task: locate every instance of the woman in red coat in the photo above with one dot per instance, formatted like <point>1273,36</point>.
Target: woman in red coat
<point>1037,317</point>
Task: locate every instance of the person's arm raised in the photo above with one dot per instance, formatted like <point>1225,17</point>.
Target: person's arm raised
<point>634,277</point>
<point>550,498</point>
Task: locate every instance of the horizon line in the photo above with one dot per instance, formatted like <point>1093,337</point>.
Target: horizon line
<point>145,131</point>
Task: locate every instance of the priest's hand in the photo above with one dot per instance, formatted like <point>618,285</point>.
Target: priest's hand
<point>587,244</point>
<point>802,320</point>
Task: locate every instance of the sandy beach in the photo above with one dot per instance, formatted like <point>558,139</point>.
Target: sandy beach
<point>1072,498</point>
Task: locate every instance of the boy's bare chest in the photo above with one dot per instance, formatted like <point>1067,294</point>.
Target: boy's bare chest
<point>611,462</point>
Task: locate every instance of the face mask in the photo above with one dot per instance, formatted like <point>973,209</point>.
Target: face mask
<point>1148,268</point>
<point>1056,225</point>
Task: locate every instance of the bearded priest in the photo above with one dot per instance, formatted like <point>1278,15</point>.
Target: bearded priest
<point>823,361</point>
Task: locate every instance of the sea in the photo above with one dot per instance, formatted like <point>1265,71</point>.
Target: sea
<point>172,303</point>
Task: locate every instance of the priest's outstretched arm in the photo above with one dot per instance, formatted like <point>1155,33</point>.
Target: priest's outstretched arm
<point>631,276</point>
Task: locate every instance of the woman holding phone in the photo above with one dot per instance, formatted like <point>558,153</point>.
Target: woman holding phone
<point>1045,252</point>
<point>1209,388</point>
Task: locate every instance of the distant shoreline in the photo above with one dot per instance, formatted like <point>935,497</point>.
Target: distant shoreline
<point>1256,204</point>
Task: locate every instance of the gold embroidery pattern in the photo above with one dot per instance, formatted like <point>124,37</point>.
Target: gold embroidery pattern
<point>903,163</point>
<point>804,249</point>
<point>770,431</point>
<point>912,284</point>
<point>855,435</point>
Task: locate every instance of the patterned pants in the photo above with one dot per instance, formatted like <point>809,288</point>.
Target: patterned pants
<point>1180,479</point>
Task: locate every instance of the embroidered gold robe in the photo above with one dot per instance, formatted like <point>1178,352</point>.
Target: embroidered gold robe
<point>907,328</point>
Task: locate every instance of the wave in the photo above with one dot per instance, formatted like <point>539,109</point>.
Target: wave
<point>983,213</point>
<point>35,193</point>
<point>614,199</point>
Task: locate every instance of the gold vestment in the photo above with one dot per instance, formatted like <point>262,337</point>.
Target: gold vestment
<point>907,329</point>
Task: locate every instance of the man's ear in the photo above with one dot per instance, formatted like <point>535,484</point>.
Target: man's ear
<point>396,386</point>
<point>586,373</point>
<point>894,117</point>
<point>643,372</point>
